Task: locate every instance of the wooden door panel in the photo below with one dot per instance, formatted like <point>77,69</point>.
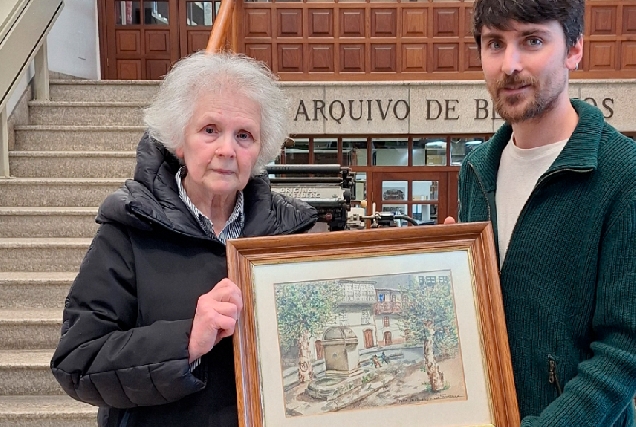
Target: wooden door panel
<point>414,22</point>
<point>260,52</point>
<point>128,69</point>
<point>320,22</point>
<point>156,69</point>
<point>352,23</point>
<point>414,57</point>
<point>383,58</point>
<point>383,22</point>
<point>446,22</point>
<point>290,57</point>
<point>445,57</point>
<point>629,20</point>
<point>197,40</point>
<point>157,42</point>
<point>321,58</point>
<point>258,23</point>
<point>290,23</point>
<point>351,58</point>
<point>128,41</point>
<point>603,20</point>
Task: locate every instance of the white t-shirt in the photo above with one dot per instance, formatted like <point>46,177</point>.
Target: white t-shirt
<point>518,174</point>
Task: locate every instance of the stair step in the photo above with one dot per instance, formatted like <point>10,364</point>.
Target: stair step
<point>45,411</point>
<point>81,138</point>
<point>34,290</point>
<point>86,113</point>
<point>43,192</point>
<point>103,90</point>
<point>27,372</point>
<point>42,254</point>
<point>30,329</point>
<point>47,222</point>
<point>69,164</point>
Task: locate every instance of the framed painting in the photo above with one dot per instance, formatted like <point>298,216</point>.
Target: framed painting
<point>383,327</point>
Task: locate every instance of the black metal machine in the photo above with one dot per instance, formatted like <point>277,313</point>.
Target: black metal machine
<point>329,188</point>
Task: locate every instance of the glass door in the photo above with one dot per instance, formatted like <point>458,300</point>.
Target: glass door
<point>422,196</point>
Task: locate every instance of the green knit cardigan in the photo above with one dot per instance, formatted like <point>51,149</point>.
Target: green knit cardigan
<point>569,277</point>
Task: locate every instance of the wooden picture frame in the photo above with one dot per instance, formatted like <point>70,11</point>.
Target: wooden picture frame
<point>333,333</point>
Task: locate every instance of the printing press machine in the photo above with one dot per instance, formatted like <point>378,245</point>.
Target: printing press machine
<point>328,188</point>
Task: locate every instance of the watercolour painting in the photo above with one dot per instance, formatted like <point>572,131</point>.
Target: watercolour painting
<point>384,327</point>
<point>366,342</point>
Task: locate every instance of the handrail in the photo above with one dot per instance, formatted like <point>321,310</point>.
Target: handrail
<point>220,27</point>
<point>24,25</point>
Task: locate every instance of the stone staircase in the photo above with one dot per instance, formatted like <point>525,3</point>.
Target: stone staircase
<point>77,149</point>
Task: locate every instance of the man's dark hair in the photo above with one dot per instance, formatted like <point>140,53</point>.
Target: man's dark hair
<point>499,14</point>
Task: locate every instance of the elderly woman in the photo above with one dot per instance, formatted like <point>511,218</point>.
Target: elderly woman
<point>147,320</point>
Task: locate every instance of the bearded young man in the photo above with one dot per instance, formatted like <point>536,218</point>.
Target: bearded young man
<point>559,185</point>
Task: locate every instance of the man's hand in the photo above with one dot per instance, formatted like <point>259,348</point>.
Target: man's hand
<point>449,220</point>
<point>215,317</point>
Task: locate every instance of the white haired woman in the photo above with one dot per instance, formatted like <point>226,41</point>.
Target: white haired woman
<point>146,320</point>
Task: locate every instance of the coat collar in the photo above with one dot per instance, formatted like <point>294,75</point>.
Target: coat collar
<point>579,153</point>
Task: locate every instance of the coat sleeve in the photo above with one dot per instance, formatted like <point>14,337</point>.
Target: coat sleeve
<point>102,357</point>
<point>605,384</point>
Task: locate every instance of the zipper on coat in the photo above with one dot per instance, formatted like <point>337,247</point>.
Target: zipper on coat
<point>483,190</point>
<point>553,378</point>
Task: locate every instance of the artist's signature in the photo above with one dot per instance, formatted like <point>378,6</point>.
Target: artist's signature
<point>416,399</point>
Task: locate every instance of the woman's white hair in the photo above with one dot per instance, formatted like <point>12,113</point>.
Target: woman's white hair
<point>201,73</point>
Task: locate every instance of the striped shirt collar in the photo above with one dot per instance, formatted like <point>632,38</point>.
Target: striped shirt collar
<point>234,225</point>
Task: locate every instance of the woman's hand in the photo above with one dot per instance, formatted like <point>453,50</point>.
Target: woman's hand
<point>215,317</point>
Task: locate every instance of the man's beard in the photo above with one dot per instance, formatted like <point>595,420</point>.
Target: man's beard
<point>542,100</point>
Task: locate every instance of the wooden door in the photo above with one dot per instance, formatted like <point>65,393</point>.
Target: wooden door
<point>142,38</point>
<point>195,24</point>
<point>424,196</point>
<point>388,340</point>
<point>368,338</point>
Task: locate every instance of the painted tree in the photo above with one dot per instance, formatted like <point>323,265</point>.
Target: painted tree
<point>303,310</point>
<point>429,314</point>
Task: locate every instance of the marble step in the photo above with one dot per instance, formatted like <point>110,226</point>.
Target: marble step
<point>27,372</point>
<point>32,329</point>
<point>42,254</point>
<point>22,290</point>
<point>48,222</point>
<point>45,411</point>
<point>54,192</point>
<point>86,113</point>
<point>70,164</point>
<point>103,90</point>
<point>77,138</point>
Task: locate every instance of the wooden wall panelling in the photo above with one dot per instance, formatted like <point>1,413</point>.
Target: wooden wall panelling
<point>383,22</point>
<point>320,22</point>
<point>414,22</point>
<point>351,22</point>
<point>445,57</point>
<point>290,57</point>
<point>628,55</point>
<point>446,22</point>
<point>629,20</point>
<point>321,58</point>
<point>258,23</point>
<point>352,57</point>
<point>383,58</point>
<point>414,57</point>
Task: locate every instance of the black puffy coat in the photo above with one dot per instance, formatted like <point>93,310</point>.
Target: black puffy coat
<point>128,315</point>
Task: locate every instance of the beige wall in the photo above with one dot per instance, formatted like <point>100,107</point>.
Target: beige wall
<point>441,107</point>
